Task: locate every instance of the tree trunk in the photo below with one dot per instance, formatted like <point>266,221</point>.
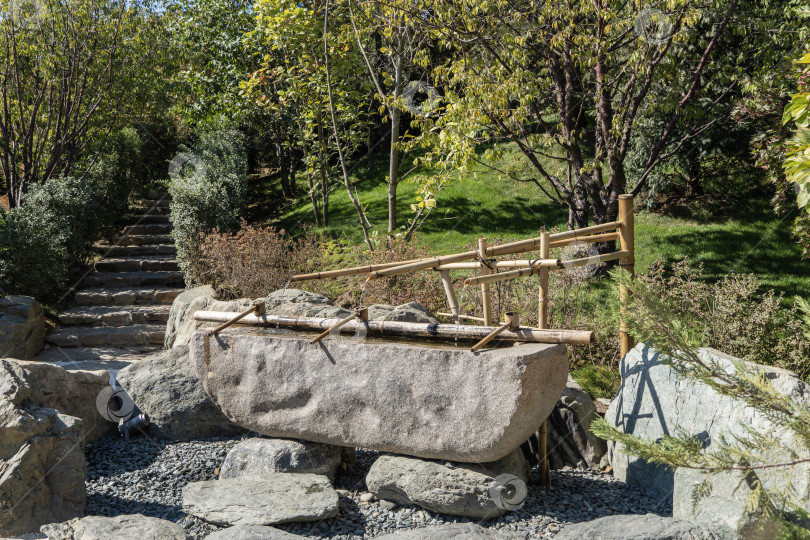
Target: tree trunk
<point>322,156</point>
<point>393,163</point>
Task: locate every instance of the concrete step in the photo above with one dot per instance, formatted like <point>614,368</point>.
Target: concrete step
<point>114,315</point>
<point>138,264</point>
<point>92,358</point>
<point>143,239</point>
<point>155,195</point>
<point>146,203</point>
<point>109,250</point>
<point>147,219</point>
<point>150,228</point>
<point>112,336</point>
<point>150,210</point>
<point>133,279</point>
<point>99,296</point>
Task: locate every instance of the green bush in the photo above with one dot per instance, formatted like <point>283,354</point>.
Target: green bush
<point>208,189</point>
<point>50,236</point>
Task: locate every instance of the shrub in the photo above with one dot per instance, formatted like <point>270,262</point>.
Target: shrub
<point>208,189</point>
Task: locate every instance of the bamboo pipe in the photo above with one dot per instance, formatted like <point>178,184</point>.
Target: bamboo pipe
<point>532,244</point>
<point>627,263</point>
<point>604,237</point>
<point>423,265</point>
<point>542,318</point>
<point>396,328</point>
<point>450,293</point>
<point>557,265</point>
<point>361,314</point>
<point>463,317</point>
<point>486,295</point>
<point>512,322</point>
<point>257,306</point>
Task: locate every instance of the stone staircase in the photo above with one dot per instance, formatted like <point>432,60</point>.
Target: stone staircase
<point>120,309</point>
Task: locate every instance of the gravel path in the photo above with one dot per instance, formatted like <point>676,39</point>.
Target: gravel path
<point>146,476</point>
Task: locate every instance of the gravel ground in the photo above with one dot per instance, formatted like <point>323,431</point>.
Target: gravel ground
<point>146,476</point>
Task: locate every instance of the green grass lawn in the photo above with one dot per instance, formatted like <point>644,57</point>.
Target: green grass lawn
<point>753,241</point>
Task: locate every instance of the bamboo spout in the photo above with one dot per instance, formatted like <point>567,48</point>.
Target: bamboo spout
<point>360,313</point>
<point>512,322</point>
<point>257,306</point>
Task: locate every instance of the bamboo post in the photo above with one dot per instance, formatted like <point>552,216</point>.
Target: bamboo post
<point>512,322</point>
<point>361,314</point>
<point>485,292</point>
<point>451,294</point>
<point>626,263</point>
<point>542,322</point>
<point>257,306</point>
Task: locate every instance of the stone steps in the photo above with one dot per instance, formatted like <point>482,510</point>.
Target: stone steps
<point>113,336</point>
<point>150,210</point>
<point>97,296</point>
<point>155,195</point>
<point>109,250</point>
<point>149,228</point>
<point>138,264</point>
<point>114,315</point>
<point>148,219</point>
<point>143,239</point>
<point>146,203</point>
<point>93,358</point>
<point>133,279</point>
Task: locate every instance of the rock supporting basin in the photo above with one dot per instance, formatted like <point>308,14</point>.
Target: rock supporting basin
<point>440,402</point>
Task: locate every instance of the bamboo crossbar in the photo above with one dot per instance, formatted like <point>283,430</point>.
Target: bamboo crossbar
<point>604,237</point>
<point>349,271</point>
<point>543,263</point>
<point>405,329</point>
<point>462,317</point>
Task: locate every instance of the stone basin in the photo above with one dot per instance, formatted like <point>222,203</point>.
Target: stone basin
<point>437,401</point>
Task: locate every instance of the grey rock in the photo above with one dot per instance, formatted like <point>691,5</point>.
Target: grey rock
<point>569,430</point>
<point>22,327</point>
<point>126,527</point>
<point>410,312</point>
<point>71,392</point>
<point>455,489</point>
<point>165,386</point>
<point>257,457</point>
<point>181,322</point>
<point>276,498</point>
<point>454,531</point>
<point>297,303</point>
<point>653,401</point>
<point>391,397</point>
<point>42,466</point>
<point>252,532</point>
<point>636,527</point>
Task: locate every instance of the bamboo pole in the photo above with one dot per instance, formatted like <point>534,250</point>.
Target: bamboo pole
<point>551,264</point>
<point>451,294</point>
<point>542,318</point>
<point>604,237</point>
<point>350,271</point>
<point>494,264</point>
<point>486,295</point>
<point>424,264</point>
<point>512,322</point>
<point>626,263</point>
<point>533,244</point>
<point>361,314</point>
<point>404,329</point>
<point>257,306</point>
<point>461,317</point>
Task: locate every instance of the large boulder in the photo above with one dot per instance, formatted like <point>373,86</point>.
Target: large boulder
<point>181,321</point>
<point>450,531</point>
<point>458,489</point>
<point>297,303</point>
<point>411,312</point>
<point>165,387</point>
<point>636,527</point>
<point>257,457</point>
<point>72,392</point>
<point>42,466</point>
<point>252,532</point>
<point>126,527</point>
<point>653,401</point>
<point>22,327</point>
<point>388,396</point>
<point>270,500</point>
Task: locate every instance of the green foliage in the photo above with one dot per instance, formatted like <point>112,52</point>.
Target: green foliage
<point>797,158</point>
<point>50,236</point>
<point>208,189</point>
<point>599,381</point>
<point>653,319</point>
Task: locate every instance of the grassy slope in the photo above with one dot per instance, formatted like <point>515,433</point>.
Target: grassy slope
<point>754,241</point>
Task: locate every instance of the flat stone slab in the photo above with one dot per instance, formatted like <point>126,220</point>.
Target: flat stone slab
<point>424,400</point>
<point>451,531</point>
<point>126,527</point>
<point>271,499</point>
